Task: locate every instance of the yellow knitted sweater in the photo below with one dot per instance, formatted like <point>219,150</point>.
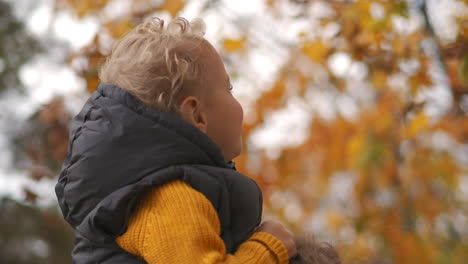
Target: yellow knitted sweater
<point>174,223</point>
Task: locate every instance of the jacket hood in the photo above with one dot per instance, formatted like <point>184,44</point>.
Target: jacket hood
<point>116,140</point>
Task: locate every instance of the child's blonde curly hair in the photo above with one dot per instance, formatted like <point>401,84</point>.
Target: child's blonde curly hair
<point>156,64</point>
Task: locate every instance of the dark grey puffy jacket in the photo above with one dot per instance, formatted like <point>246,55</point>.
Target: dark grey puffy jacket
<point>118,148</point>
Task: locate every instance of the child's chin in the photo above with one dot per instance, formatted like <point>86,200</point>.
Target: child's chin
<point>238,152</point>
<point>234,153</point>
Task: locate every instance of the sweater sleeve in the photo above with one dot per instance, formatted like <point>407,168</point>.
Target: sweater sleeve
<point>174,223</point>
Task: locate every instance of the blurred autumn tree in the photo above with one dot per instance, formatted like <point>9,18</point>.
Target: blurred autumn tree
<point>33,235</point>
<point>16,48</point>
<point>28,234</point>
<point>404,162</point>
<point>382,167</point>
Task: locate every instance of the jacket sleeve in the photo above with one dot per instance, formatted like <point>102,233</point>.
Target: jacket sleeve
<point>177,224</point>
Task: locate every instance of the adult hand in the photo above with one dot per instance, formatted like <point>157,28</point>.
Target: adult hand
<point>278,230</point>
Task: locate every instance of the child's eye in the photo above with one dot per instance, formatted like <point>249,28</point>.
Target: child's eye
<point>230,87</point>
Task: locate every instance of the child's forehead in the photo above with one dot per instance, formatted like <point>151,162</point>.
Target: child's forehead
<point>205,50</point>
<point>211,70</point>
<point>201,52</point>
<point>209,55</point>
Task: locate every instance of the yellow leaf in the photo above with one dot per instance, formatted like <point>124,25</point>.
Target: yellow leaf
<point>400,47</point>
<point>354,149</point>
<point>83,7</point>
<point>379,80</point>
<point>234,45</point>
<point>316,51</point>
<point>335,220</point>
<point>418,124</point>
<point>118,28</point>
<point>172,6</point>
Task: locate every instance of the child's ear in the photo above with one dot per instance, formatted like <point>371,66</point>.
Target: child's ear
<point>191,111</point>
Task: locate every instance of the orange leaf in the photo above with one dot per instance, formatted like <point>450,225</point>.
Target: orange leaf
<point>92,83</point>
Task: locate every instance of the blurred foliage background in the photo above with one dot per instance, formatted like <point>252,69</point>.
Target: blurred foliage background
<point>356,122</point>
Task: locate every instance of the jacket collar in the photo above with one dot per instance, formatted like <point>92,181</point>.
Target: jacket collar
<point>167,120</point>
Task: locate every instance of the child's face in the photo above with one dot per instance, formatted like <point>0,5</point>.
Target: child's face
<point>223,112</point>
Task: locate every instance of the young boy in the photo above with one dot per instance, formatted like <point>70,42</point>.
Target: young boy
<point>148,176</point>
